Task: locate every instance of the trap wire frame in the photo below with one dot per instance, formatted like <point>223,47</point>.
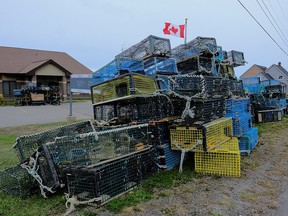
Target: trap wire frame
<point>109,179</point>
<point>202,137</point>
<point>123,86</point>
<point>224,160</point>
<point>26,145</point>
<point>92,148</point>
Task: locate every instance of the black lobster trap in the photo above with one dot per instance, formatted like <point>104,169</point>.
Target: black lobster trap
<point>112,178</point>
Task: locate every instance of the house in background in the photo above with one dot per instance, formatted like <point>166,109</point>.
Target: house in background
<point>277,72</point>
<point>274,72</point>
<point>19,67</point>
<point>253,71</point>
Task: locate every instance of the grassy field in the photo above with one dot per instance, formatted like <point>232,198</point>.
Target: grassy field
<point>55,205</point>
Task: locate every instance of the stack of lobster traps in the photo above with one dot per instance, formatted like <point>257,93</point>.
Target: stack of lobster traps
<point>152,104</point>
<point>267,99</point>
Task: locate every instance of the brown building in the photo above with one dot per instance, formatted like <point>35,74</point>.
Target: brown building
<point>22,67</point>
<point>254,70</point>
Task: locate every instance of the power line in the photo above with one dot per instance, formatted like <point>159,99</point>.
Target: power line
<point>281,36</point>
<point>282,11</point>
<point>277,15</point>
<point>262,28</point>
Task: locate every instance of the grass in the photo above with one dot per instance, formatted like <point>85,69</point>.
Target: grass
<point>37,205</point>
<point>149,188</point>
<point>159,185</point>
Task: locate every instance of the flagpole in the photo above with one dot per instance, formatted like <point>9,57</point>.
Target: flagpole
<point>185,39</point>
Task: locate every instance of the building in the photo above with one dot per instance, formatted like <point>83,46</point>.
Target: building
<point>253,71</point>
<point>275,73</point>
<point>22,67</point>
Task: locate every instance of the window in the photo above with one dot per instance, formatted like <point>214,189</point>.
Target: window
<point>280,77</point>
<point>8,87</point>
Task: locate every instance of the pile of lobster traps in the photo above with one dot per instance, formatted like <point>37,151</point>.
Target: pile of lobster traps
<point>152,106</point>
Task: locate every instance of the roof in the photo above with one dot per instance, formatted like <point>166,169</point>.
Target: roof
<point>254,70</point>
<point>267,76</point>
<point>285,72</point>
<point>21,61</point>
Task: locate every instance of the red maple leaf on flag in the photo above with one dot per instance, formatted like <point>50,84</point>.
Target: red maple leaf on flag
<point>174,30</point>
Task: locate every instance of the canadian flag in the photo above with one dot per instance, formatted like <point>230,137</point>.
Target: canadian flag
<point>172,29</point>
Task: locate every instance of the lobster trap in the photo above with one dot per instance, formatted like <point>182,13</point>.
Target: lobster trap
<point>224,160</point>
<point>238,106</point>
<point>203,46</point>
<point>89,148</point>
<point>198,86</point>
<point>242,123</point>
<point>236,58</point>
<point>167,158</point>
<point>26,145</point>
<point>248,141</point>
<point>117,67</point>
<point>159,132</point>
<point>123,86</point>
<point>109,179</point>
<point>159,65</point>
<point>202,137</point>
<point>150,46</point>
<point>196,65</point>
<point>16,181</point>
<point>141,109</point>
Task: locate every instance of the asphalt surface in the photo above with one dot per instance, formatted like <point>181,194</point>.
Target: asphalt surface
<point>36,114</point>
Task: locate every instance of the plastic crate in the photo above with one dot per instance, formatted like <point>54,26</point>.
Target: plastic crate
<point>242,123</point>
<point>125,85</point>
<point>16,181</point>
<point>26,145</point>
<point>248,141</point>
<point>168,159</point>
<point>207,136</point>
<point>86,149</point>
<point>239,106</point>
<point>150,46</point>
<point>224,160</point>
<point>112,178</point>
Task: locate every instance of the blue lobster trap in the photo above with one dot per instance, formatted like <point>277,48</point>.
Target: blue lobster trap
<point>248,141</point>
<point>241,123</point>
<point>238,106</point>
<point>117,67</point>
<point>168,158</point>
<point>159,65</point>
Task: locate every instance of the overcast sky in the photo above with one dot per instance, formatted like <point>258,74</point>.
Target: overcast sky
<point>94,31</point>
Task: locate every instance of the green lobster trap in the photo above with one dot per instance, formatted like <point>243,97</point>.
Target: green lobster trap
<point>123,86</point>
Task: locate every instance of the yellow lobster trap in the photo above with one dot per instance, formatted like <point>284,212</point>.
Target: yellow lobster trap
<point>203,137</point>
<point>224,160</point>
<point>123,86</point>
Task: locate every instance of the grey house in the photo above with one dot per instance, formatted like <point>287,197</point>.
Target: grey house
<point>277,72</point>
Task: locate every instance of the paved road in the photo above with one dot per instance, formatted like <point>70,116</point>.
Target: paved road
<point>23,115</point>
